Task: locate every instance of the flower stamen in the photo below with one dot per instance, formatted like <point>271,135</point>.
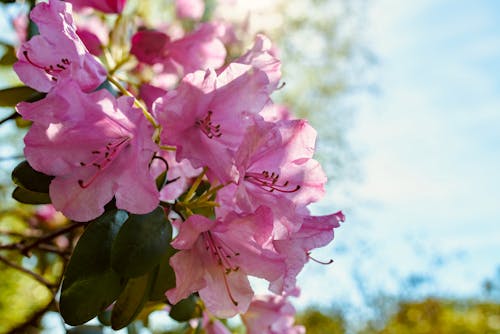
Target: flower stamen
<point>207,127</point>
<point>269,182</point>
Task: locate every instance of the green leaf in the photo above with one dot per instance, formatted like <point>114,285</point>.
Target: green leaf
<point>131,301</point>
<point>185,310</point>
<point>90,285</point>
<point>26,177</point>
<point>9,56</point>
<point>164,278</point>
<point>30,197</point>
<point>141,243</point>
<point>105,318</point>
<point>161,180</point>
<point>9,97</point>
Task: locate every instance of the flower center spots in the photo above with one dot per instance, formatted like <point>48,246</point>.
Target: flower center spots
<point>270,182</point>
<point>223,254</point>
<point>207,127</point>
<point>51,70</point>
<point>103,158</point>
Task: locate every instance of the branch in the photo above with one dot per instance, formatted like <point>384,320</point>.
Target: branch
<point>25,247</point>
<point>36,276</point>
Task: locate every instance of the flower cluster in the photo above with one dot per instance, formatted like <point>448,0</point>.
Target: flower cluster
<point>240,171</point>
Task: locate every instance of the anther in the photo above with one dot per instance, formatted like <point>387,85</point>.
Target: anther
<point>207,127</point>
<point>318,261</point>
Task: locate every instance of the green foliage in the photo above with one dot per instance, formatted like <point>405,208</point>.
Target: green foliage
<point>318,322</point>
<point>185,309</point>
<point>438,316</point>
<point>90,284</point>
<point>30,197</point>
<point>26,177</point>
<point>9,97</point>
<point>141,243</point>
<point>165,277</point>
<point>131,300</point>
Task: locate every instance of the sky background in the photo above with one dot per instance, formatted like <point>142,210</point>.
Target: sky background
<point>424,218</point>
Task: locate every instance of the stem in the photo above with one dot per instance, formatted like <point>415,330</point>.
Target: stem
<point>13,116</point>
<point>119,64</point>
<point>195,186</point>
<point>25,248</point>
<point>36,276</point>
<point>167,148</point>
<point>138,104</point>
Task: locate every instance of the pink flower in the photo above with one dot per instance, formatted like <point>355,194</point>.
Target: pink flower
<point>315,232</point>
<point>106,6</point>
<point>207,115</point>
<point>179,175</point>
<point>215,258</point>
<point>189,9</point>
<point>93,33</point>
<point>261,56</point>
<point>57,52</point>
<point>198,50</point>
<point>271,314</point>
<point>96,146</point>
<point>276,169</point>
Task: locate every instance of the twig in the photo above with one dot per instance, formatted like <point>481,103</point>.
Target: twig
<point>13,116</point>
<point>36,276</point>
<point>24,248</point>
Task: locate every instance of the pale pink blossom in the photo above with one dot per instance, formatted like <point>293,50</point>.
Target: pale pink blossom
<point>315,232</point>
<point>189,9</point>
<point>270,314</point>
<point>96,146</point>
<point>93,33</point>
<point>57,52</point>
<point>261,56</point>
<point>276,169</point>
<point>198,50</point>
<point>106,6</point>
<point>207,115</point>
<point>215,258</point>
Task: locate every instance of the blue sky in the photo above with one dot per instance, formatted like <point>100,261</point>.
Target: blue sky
<point>429,145</point>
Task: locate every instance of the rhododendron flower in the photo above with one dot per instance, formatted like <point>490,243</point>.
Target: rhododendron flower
<point>57,52</point>
<point>178,175</point>
<point>199,50</point>
<point>106,6</point>
<point>261,56</point>
<point>276,170</point>
<point>189,9</point>
<point>93,33</point>
<point>96,146</point>
<point>207,115</point>
<point>215,258</point>
<point>271,314</point>
<point>315,232</point>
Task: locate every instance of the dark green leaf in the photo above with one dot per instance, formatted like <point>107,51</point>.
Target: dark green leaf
<point>105,318</point>
<point>161,180</point>
<point>9,97</point>
<point>165,277</point>
<point>9,57</point>
<point>28,178</point>
<point>185,310</point>
<point>30,197</point>
<point>141,243</point>
<point>131,301</point>
<point>90,285</point>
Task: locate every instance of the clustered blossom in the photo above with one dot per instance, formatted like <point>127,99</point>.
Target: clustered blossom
<point>223,125</point>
